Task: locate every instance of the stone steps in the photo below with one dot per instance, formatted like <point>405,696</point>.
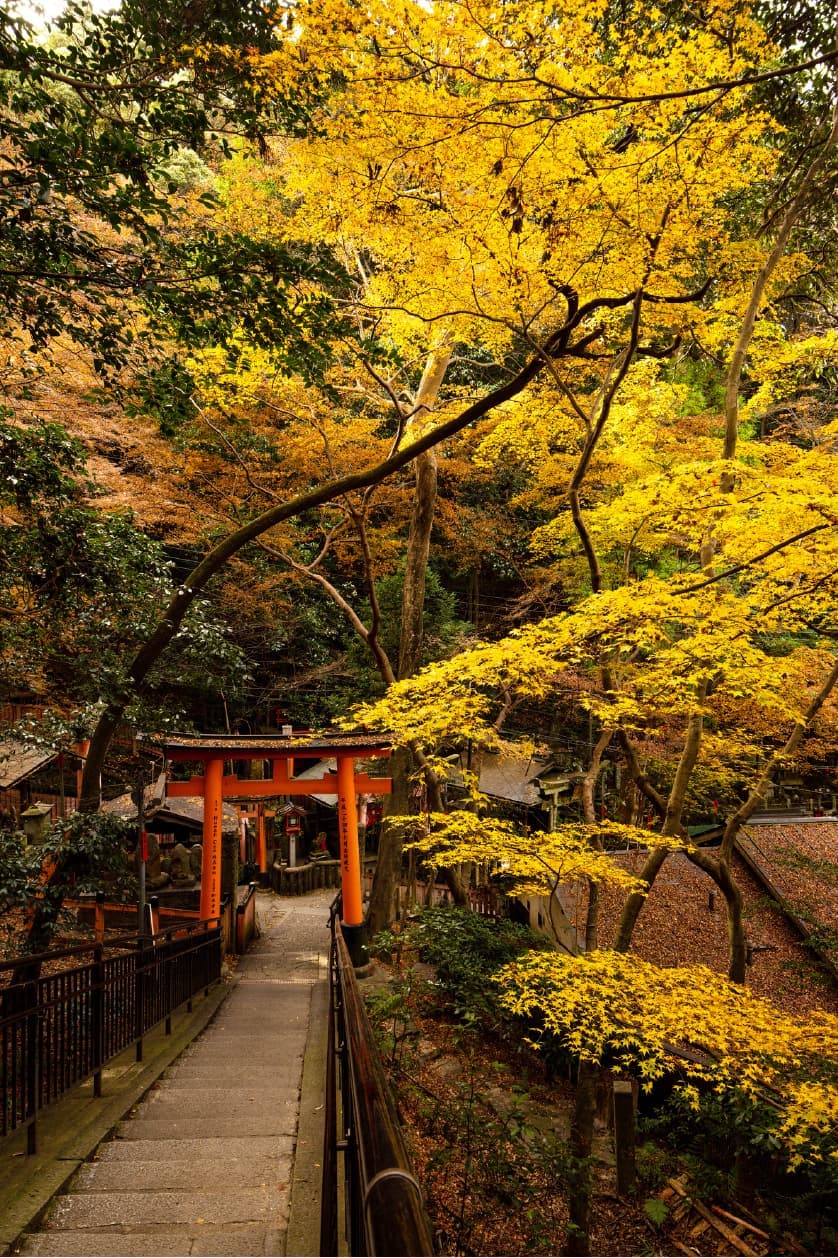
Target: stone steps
<point>205,1162</point>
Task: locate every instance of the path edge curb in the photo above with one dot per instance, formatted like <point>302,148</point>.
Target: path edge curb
<point>303,1233</point>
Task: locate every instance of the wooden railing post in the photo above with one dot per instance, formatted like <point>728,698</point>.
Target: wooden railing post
<point>99,917</point>
<point>624,1136</point>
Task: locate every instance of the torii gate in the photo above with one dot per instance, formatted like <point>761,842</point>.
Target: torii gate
<point>215,785</point>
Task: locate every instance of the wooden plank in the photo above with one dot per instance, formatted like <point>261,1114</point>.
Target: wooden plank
<point>720,1227</point>
<point>728,1233</point>
<point>733,1218</point>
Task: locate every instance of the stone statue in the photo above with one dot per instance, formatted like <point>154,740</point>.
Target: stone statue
<point>196,859</point>
<point>181,867</point>
<point>155,876</point>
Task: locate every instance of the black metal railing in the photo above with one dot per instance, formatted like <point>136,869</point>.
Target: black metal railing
<point>384,1210</point>
<point>60,1028</point>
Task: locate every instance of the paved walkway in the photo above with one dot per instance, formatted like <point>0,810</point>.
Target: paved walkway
<point>221,1157</point>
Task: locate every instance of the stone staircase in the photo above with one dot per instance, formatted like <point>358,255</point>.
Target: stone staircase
<point>205,1163</point>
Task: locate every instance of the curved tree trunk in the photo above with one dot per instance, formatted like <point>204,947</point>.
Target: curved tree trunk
<point>558,345</point>
<point>746,332</point>
<point>720,869</point>
<point>672,825</point>
<point>722,875</point>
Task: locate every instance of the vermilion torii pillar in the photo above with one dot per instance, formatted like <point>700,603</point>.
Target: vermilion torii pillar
<point>350,855</point>
<point>211,859</point>
<point>215,786</point>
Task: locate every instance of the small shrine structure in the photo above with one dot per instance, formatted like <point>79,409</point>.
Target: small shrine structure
<point>214,786</point>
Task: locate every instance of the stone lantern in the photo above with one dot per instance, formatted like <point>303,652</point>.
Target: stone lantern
<point>36,821</point>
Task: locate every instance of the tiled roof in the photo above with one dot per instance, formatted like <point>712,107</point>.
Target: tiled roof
<point>508,778</point>
<point>800,858</point>
<point>184,808</point>
<point>19,761</point>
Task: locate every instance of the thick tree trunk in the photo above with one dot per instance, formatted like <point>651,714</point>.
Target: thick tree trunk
<point>422,519</point>
<point>388,867</point>
<point>389,863</point>
<point>391,844</point>
<point>416,565</point>
<point>737,941</point>
<point>589,813</point>
<point>581,1145</point>
<point>387,876</point>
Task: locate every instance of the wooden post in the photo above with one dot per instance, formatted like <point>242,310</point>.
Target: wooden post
<point>350,861</point>
<point>261,846</point>
<point>82,749</point>
<point>99,917</point>
<point>142,857</point>
<point>33,1066</point>
<point>211,860</point>
<point>624,1136</point>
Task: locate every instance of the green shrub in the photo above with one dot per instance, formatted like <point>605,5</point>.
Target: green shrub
<point>466,950</point>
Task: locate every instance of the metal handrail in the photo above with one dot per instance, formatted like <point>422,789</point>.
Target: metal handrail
<point>385,1212</point>
<point>57,1029</point>
<point>129,941</point>
<point>56,954</point>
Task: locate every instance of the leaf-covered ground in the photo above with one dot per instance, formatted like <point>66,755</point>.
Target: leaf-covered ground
<point>487,1122</point>
<point>678,926</point>
<point>487,1129</point>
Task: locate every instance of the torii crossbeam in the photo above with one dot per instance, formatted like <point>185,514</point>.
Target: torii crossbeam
<point>212,750</point>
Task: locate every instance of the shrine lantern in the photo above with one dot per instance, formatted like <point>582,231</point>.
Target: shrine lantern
<point>292,819</point>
